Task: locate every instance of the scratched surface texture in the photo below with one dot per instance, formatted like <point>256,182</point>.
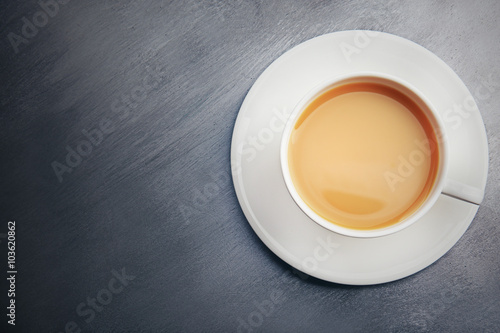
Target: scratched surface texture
<point>115,125</point>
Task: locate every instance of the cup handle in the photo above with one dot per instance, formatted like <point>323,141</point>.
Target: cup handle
<point>463,192</point>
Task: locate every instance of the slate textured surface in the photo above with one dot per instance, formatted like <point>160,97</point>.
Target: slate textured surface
<point>143,232</point>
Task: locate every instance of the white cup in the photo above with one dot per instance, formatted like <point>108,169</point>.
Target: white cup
<point>439,183</point>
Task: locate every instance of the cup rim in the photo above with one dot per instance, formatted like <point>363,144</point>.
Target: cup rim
<point>439,180</point>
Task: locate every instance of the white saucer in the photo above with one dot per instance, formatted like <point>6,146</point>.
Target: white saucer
<point>262,192</point>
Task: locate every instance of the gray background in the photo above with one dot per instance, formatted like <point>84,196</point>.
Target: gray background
<point>153,197</point>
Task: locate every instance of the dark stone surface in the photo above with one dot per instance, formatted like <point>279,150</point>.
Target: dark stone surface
<point>133,202</point>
